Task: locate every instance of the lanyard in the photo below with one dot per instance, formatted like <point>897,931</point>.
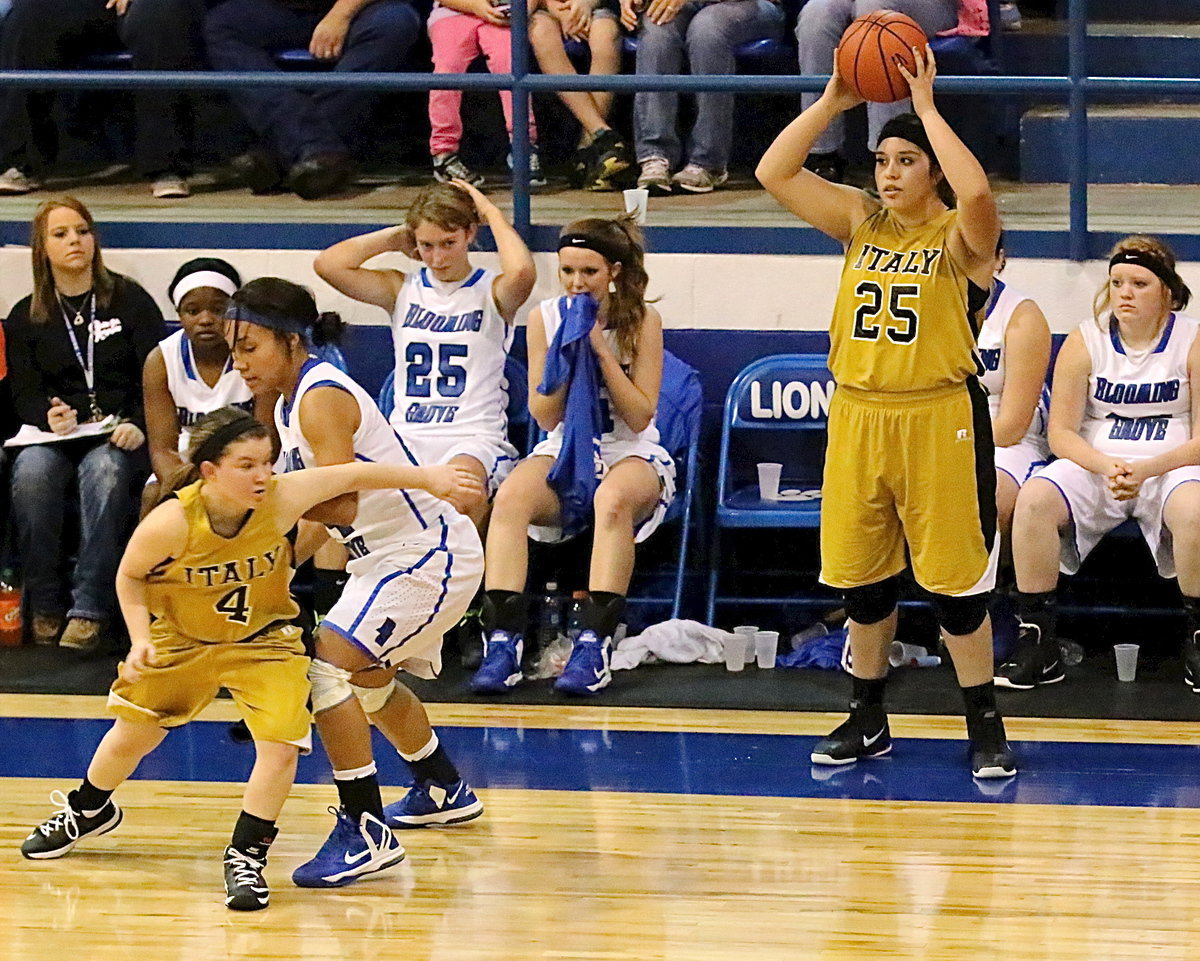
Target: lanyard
<point>89,368</point>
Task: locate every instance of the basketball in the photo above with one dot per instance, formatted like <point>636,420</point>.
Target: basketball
<point>866,56</point>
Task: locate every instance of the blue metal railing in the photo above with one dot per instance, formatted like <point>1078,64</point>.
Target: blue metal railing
<point>1077,88</point>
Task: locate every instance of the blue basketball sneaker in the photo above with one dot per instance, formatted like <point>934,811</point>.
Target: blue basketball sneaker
<point>432,803</point>
<point>587,669</point>
<point>501,667</point>
<point>350,852</point>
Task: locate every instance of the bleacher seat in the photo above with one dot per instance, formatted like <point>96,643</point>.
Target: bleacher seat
<point>776,410</point>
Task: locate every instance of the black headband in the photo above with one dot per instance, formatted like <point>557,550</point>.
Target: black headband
<point>289,325</point>
<point>609,251</point>
<point>1152,263</point>
<point>908,126</point>
<point>221,438</point>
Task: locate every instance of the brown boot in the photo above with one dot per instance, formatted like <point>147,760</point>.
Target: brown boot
<point>45,629</point>
<point>82,635</point>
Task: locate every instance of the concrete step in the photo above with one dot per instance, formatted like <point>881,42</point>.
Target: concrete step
<point>1114,49</point>
<point>1164,136</point>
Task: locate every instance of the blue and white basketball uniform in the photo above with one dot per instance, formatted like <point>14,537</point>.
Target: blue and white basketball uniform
<point>415,562</point>
<point>618,442</point>
<point>1022,459</point>
<point>1137,407</point>
<point>192,396</point>
<point>451,392</point>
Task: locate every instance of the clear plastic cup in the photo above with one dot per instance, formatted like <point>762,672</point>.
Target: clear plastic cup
<point>1127,657</point>
<point>768,481</point>
<point>766,648</point>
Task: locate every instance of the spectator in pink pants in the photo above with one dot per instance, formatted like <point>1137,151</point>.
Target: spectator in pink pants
<point>460,30</point>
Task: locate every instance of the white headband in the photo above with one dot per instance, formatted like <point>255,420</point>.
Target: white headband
<point>202,278</point>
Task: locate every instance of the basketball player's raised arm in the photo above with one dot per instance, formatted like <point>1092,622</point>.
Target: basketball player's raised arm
<point>162,417</point>
<point>341,266</point>
<point>1026,358</point>
<point>546,409</point>
<point>978,224</point>
<point>517,272</point>
<point>1068,403</point>
<point>298,492</point>
<point>160,536</point>
<point>634,395</point>
<point>834,209</point>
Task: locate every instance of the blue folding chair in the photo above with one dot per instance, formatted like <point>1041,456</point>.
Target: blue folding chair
<point>775,411</point>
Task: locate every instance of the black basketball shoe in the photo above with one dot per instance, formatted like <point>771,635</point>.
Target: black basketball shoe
<point>245,887</point>
<point>1032,664</point>
<point>864,734</point>
<point>67,827</point>
<point>991,757</point>
<point>1191,662</point>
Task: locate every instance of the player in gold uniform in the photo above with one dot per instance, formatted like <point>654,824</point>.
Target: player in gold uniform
<point>909,474</point>
<point>204,590</point>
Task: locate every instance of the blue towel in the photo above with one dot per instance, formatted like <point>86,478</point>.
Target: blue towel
<point>824,652</point>
<point>570,360</point>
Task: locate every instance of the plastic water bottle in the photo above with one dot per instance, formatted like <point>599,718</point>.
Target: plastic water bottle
<point>574,628</point>
<point>10,610</point>
<point>1071,653</point>
<point>550,626</point>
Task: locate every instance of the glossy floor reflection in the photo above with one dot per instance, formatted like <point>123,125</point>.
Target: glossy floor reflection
<point>760,765</point>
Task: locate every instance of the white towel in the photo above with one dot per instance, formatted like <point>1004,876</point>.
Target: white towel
<point>677,641</point>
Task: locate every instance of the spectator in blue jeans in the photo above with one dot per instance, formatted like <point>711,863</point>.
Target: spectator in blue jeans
<point>818,31</point>
<point>56,34</point>
<point>708,32</point>
<point>76,348</point>
<point>306,135</point>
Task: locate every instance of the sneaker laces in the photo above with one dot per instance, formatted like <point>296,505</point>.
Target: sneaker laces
<point>246,870</point>
<point>64,817</point>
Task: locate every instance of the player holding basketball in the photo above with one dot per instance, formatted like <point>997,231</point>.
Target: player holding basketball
<point>909,461</point>
<point>1123,422</point>
<point>414,567</point>
<point>204,590</point>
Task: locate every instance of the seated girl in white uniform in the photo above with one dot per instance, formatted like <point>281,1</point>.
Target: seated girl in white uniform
<point>1123,423</point>
<point>628,479</point>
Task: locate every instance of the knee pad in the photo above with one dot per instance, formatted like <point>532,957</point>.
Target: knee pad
<point>960,616</point>
<point>871,603</point>
<point>373,699</point>
<point>330,685</point>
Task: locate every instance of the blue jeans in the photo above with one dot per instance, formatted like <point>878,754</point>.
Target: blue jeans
<point>42,479</point>
<point>820,27</point>
<point>297,124</point>
<point>710,31</point>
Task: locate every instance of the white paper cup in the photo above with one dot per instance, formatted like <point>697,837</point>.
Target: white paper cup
<point>747,631</point>
<point>906,655</point>
<point>636,199</point>
<point>766,648</point>
<point>768,481</point>
<point>1127,655</point>
<point>735,651</point>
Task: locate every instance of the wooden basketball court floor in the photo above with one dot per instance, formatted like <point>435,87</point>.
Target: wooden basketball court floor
<point>635,834</point>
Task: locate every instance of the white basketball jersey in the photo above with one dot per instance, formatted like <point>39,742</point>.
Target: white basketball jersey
<point>1138,406</point>
<point>451,344</point>
<point>385,518</point>
<point>613,426</point>
<point>193,397</point>
<point>1005,299</point>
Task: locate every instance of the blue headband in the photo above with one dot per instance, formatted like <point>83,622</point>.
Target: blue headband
<point>289,325</point>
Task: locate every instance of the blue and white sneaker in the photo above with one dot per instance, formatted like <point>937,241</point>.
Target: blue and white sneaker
<point>501,666</point>
<point>350,852</point>
<point>587,669</point>
<point>431,803</point>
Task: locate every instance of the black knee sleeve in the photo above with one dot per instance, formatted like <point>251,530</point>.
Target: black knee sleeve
<point>960,616</point>
<point>872,603</point>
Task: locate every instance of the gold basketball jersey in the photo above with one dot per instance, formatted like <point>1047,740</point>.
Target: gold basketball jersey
<point>904,318</point>
<point>224,588</point>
